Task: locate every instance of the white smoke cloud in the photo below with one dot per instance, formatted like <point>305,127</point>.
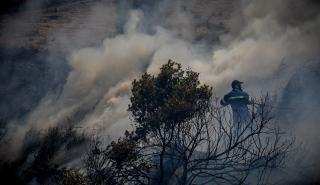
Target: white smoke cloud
<point>263,36</point>
<point>96,90</point>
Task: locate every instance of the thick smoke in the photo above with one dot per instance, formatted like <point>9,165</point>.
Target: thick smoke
<point>95,95</point>
<point>266,45</point>
<point>274,46</point>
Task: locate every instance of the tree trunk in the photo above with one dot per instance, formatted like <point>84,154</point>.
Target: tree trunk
<point>183,180</point>
<point>161,177</point>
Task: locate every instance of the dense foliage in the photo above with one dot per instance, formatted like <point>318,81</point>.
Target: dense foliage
<point>172,97</point>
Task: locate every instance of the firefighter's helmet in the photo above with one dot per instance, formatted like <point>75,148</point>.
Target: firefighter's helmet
<point>235,83</point>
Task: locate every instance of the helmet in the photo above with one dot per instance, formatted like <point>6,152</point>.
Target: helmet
<point>235,83</point>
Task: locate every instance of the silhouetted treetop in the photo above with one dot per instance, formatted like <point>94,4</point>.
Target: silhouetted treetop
<point>171,97</point>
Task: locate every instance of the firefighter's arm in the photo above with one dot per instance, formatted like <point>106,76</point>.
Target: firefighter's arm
<point>224,101</point>
<point>250,100</point>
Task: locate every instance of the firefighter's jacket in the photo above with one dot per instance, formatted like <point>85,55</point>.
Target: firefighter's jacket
<point>239,101</point>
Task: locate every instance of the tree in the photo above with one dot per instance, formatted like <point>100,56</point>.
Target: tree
<point>181,130</point>
<point>37,164</point>
<point>72,177</point>
<point>117,164</point>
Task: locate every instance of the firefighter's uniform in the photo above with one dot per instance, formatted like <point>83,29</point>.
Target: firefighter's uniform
<point>239,101</point>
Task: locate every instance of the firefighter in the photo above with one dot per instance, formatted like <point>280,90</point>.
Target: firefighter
<point>239,100</point>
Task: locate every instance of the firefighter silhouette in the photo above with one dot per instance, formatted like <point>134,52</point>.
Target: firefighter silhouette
<point>238,100</point>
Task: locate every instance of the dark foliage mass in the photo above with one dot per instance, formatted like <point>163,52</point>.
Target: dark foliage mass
<point>37,160</point>
<point>121,162</point>
<point>173,97</point>
<point>180,136</point>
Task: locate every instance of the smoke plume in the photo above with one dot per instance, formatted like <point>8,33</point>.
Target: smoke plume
<point>263,43</point>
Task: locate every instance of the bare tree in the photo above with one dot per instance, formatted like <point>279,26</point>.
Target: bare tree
<point>191,140</point>
<point>225,153</point>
